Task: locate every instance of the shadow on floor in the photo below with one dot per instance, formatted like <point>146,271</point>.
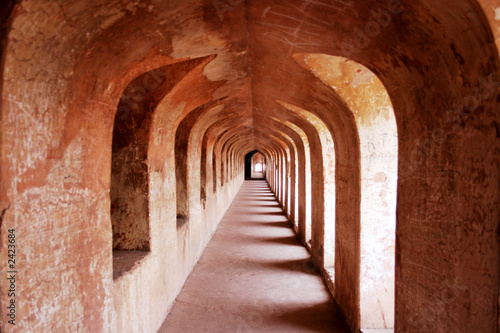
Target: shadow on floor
<point>260,206</point>
<point>271,213</point>
<point>278,224</point>
<point>305,266</point>
<point>257,199</point>
<point>316,317</point>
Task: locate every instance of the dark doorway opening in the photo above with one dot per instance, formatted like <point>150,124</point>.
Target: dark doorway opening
<point>248,164</point>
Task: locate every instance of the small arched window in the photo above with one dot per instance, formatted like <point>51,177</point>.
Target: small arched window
<point>258,167</point>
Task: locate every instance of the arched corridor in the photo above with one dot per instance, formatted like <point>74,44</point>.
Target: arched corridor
<point>128,128</point>
<point>254,276</point>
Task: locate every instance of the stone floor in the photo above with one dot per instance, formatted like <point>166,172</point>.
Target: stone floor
<point>254,276</point>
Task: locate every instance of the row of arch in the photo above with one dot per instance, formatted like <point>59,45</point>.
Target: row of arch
<point>349,226</point>
<point>174,171</point>
<point>140,125</point>
<point>298,150</point>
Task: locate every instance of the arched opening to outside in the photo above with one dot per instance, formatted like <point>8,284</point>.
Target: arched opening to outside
<point>304,215</point>
<point>321,232</point>
<point>258,165</point>
<point>378,139</point>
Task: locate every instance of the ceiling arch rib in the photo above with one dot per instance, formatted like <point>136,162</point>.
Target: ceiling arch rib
<point>221,144</point>
<point>208,143</point>
<point>225,150</point>
<point>304,173</point>
<point>300,169</point>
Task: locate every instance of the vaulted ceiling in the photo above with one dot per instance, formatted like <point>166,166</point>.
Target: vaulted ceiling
<point>98,48</point>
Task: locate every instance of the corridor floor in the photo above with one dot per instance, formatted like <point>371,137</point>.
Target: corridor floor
<point>254,276</point>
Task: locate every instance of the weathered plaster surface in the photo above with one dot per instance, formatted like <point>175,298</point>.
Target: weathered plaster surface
<point>65,66</point>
